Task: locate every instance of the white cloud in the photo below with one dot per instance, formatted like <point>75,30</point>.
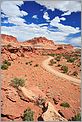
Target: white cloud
<point>24,13</point>
<point>64,28</point>
<point>66,13</point>
<point>16,20</point>
<point>2,16</point>
<point>46,16</point>
<point>75,41</point>
<point>10,8</point>
<point>63,18</point>
<point>55,21</point>
<point>41,9</point>
<point>35,17</point>
<point>69,6</point>
<point>12,11</point>
<point>5,21</point>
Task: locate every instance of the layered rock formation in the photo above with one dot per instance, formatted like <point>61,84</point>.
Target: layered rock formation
<point>40,45</point>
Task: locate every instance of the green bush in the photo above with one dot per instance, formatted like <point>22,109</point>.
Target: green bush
<point>16,82</point>
<point>7,62</point>
<point>52,62</point>
<point>4,66</point>
<point>65,104</point>
<point>58,58</point>
<point>52,54</point>
<point>28,115</point>
<point>66,56</point>
<point>77,117</point>
<point>30,63</point>
<point>79,64</point>
<point>64,68</point>
<point>71,60</point>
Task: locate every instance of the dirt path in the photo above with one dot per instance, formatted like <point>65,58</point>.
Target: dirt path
<point>59,74</point>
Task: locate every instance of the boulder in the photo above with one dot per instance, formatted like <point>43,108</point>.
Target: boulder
<point>56,100</point>
<point>13,56</point>
<point>67,113</point>
<point>11,94</point>
<point>51,114</point>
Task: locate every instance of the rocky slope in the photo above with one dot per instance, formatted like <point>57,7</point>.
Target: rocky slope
<point>8,39</point>
<point>40,40</point>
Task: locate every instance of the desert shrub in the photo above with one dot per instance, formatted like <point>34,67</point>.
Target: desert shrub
<point>16,82</point>
<point>30,62</point>
<point>64,68</point>
<point>58,58</point>
<point>59,65</point>
<point>75,73</point>
<point>79,64</point>
<point>7,62</point>
<point>52,62</point>
<point>65,104</point>
<point>36,65</point>
<point>77,55</point>
<point>52,54</point>
<point>71,59</point>
<point>66,56</point>
<point>76,118</point>
<point>28,115</point>
<point>27,63</point>
<point>4,66</point>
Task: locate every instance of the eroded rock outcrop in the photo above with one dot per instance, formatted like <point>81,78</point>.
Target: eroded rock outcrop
<point>51,114</point>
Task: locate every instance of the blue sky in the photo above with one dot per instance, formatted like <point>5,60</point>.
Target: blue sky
<point>56,20</point>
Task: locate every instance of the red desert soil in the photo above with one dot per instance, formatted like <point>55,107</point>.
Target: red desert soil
<point>50,84</point>
<point>39,79</point>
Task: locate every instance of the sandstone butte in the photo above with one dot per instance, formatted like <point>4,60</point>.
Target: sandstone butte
<point>39,81</point>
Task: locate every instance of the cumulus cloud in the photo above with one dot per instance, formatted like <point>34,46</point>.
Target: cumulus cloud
<point>63,18</point>
<point>65,6</point>
<point>66,13</point>
<point>16,21</point>
<point>64,28</point>
<point>11,9</point>
<point>46,16</point>
<point>24,13</point>
<point>35,17</point>
<point>55,21</point>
